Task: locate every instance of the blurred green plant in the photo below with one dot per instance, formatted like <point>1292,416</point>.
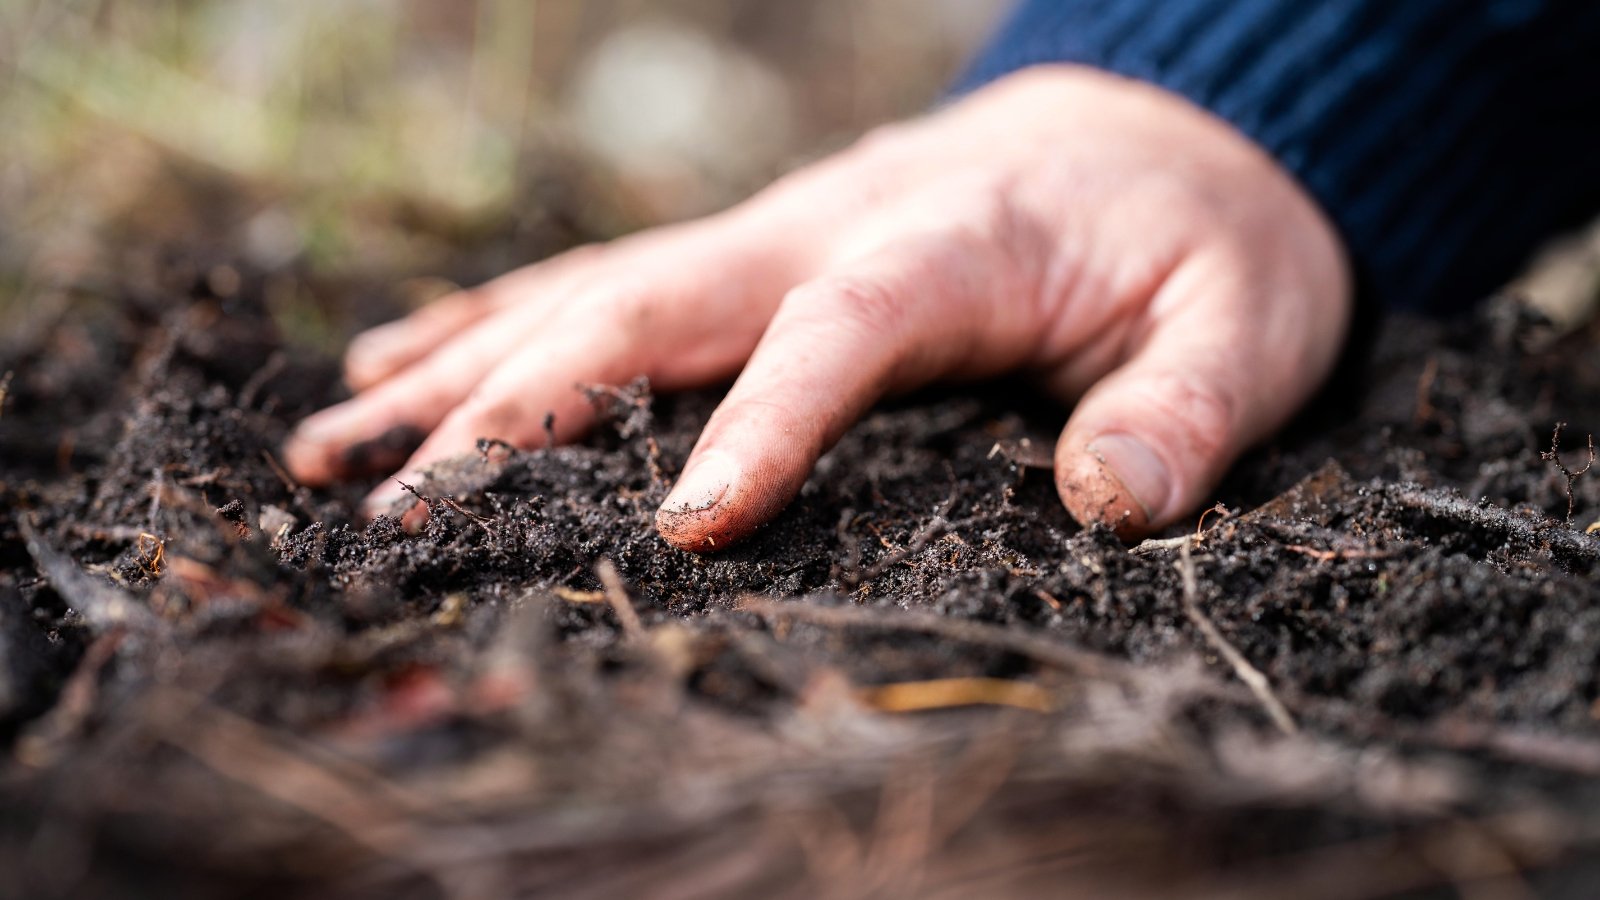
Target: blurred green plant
<point>390,136</point>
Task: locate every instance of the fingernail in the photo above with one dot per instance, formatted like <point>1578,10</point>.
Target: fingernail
<point>365,356</point>
<point>703,485</point>
<point>1141,471</point>
<point>298,453</point>
<point>375,340</point>
<point>318,429</point>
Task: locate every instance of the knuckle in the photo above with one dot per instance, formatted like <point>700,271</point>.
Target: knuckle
<point>367,350</point>
<point>755,415</point>
<point>880,141</point>
<point>583,254</point>
<point>630,306</point>
<point>1202,413</point>
<point>866,303</point>
<point>750,412</point>
<point>452,306</point>
<point>487,414</point>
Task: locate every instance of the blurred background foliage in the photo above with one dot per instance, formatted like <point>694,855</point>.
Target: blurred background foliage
<point>391,139</point>
<point>383,138</point>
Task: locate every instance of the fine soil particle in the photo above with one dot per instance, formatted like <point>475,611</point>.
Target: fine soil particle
<point>1375,664</point>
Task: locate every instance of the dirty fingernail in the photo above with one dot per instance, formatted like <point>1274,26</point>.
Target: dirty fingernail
<point>703,485</point>
<point>1140,470</point>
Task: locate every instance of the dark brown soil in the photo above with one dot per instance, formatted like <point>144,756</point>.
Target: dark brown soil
<point>216,683</point>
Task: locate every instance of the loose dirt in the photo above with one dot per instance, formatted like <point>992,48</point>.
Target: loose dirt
<point>1371,671</point>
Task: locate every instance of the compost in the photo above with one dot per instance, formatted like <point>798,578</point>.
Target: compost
<point>1371,670</point>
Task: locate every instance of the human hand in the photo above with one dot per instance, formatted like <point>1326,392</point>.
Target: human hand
<point>1137,255</point>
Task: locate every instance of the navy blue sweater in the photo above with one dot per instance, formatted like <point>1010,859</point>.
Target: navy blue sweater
<point>1444,138</point>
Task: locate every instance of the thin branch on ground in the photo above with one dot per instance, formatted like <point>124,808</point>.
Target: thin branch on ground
<point>1562,542</point>
<point>103,606</point>
<point>617,596</point>
<point>158,484</point>
<point>43,742</point>
<point>1553,455</point>
<point>152,553</point>
<point>283,474</point>
<point>1220,510</point>
<point>1425,410</point>
<point>273,367</point>
<point>450,502</point>
<point>272,764</point>
<point>947,693</point>
<point>1249,674</point>
<point>446,502</point>
<point>852,548</point>
<point>1332,555</point>
<point>932,530</point>
<point>573,595</point>
<point>1156,545</point>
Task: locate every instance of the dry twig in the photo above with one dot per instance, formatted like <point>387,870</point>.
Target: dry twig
<point>945,693</point>
<point>368,809</point>
<point>1425,409</point>
<point>277,468</point>
<point>273,367</point>
<point>1554,455</point>
<point>1220,510</point>
<point>935,528</point>
<point>104,606</point>
<point>1332,555</point>
<point>1249,674</point>
<point>1155,545</point>
<point>1562,542</point>
<point>152,553</point>
<point>617,596</point>
<point>43,742</point>
<point>450,502</point>
<point>573,595</point>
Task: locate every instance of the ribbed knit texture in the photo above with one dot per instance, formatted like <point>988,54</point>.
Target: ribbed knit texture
<point>1445,138</point>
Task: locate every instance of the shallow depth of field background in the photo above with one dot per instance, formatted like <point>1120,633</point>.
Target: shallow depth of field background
<point>333,127</point>
<point>383,139</point>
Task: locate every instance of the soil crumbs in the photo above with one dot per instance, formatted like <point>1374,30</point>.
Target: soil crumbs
<point>1371,671</point>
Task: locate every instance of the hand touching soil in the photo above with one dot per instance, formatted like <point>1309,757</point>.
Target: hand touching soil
<point>1140,257</point>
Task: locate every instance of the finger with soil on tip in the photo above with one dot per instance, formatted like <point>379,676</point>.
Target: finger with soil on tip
<point>681,305</point>
<point>1147,444</point>
<point>419,398</point>
<point>895,320</point>
<point>506,411</point>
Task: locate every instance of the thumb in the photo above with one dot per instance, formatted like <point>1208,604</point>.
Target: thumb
<point>1150,441</point>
